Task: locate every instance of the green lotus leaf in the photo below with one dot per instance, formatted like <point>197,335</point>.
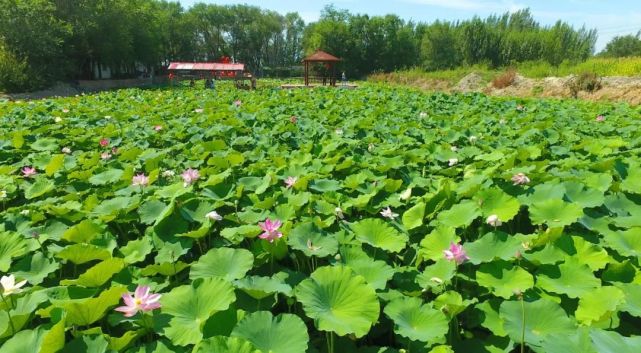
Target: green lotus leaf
<point>555,213</point>
<point>452,303</point>
<point>285,333</point>
<point>417,321</point>
<point>226,263</point>
<point>45,144</point>
<point>461,214</point>
<point>55,164</point>
<point>624,242</point>
<point>495,245</point>
<point>598,305</point>
<point>221,344</point>
<point>97,275</point>
<point>542,318</point>
<point>35,268</point>
<point>543,192</point>
<point>191,305</point>
<point>26,341</point>
<point>632,181</point>
<point>12,245</point>
<point>376,273</point>
<point>259,287</point>
<point>325,185</point>
<point>433,245</point>
<point>339,301</point>
<point>109,176</point>
<point>40,187</point>
<point>586,253</point>
<point>84,312</point>
<point>632,301</point>
<point>612,342</point>
<point>582,195</point>
<point>438,274</point>
<point>21,312</point>
<point>377,233</point>
<point>81,253</point>
<point>496,202</point>
<point>87,344</point>
<point>83,232</point>
<point>491,318</point>
<point>136,250</point>
<point>154,211</point>
<point>312,241</point>
<point>578,341</point>
<point>503,279</point>
<point>413,217</point>
<point>109,209</point>
<point>569,278</point>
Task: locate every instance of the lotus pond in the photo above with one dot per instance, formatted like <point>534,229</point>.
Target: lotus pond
<point>376,220</point>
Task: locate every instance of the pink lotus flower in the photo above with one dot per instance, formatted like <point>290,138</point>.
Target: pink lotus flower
<point>65,110</point>
<point>290,181</point>
<point>104,142</point>
<point>270,230</point>
<point>293,119</point>
<point>105,155</point>
<point>29,172</point>
<point>140,180</point>
<point>114,150</point>
<point>456,253</point>
<point>157,127</point>
<point>520,179</point>
<point>237,103</point>
<point>387,213</point>
<point>140,301</point>
<point>190,176</point>
<point>600,118</point>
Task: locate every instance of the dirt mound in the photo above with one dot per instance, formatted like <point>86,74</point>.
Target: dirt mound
<point>58,90</point>
<point>472,82</point>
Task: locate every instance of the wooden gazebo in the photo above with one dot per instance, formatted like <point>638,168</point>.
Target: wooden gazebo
<point>329,62</point>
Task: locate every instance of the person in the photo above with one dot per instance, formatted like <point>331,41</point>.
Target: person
<point>192,83</point>
<point>207,82</point>
<point>212,84</point>
<point>343,79</point>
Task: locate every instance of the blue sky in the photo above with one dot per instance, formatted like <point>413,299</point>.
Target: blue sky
<point>610,18</point>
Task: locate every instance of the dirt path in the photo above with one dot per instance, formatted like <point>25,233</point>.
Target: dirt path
<point>617,89</point>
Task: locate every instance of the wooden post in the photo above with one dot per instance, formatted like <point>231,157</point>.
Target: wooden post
<point>306,73</point>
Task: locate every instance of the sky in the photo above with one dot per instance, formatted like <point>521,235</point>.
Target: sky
<point>610,17</point>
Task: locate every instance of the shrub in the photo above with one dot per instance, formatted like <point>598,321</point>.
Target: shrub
<point>13,72</point>
<point>587,81</point>
<point>505,79</point>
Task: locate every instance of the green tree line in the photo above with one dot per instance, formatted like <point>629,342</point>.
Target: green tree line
<point>42,41</point>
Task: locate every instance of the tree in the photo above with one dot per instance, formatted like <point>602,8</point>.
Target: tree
<point>620,46</point>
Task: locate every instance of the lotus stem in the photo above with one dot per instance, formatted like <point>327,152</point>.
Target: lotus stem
<point>522,325</point>
<point>13,328</point>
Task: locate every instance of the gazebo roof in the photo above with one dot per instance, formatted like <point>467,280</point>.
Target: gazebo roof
<point>321,56</point>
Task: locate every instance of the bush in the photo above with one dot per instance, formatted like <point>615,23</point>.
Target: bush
<point>13,73</point>
<point>587,81</point>
<point>505,79</point>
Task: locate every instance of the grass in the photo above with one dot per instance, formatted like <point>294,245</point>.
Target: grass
<point>537,69</point>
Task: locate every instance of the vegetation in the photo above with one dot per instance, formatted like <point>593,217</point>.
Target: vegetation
<point>623,46</point>
<point>61,39</point>
<point>598,66</point>
<point>331,220</point>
